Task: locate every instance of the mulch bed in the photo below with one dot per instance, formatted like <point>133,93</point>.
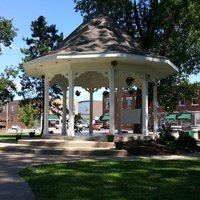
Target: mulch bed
<point>153,148</point>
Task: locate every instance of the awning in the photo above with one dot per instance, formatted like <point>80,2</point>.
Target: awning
<point>171,116</point>
<point>185,116</point>
<point>53,117</point>
<point>105,117</point>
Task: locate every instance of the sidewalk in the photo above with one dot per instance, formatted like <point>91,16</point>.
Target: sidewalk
<point>13,187</point>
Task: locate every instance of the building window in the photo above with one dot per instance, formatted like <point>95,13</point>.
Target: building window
<point>197,118</point>
<point>12,108</point>
<point>194,101</point>
<point>4,109</point>
<point>182,102</point>
<point>129,102</point>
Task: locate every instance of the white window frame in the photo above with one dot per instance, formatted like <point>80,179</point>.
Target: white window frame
<point>195,104</point>
<point>197,118</point>
<point>182,102</point>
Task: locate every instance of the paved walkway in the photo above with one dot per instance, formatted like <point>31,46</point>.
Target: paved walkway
<point>13,187</point>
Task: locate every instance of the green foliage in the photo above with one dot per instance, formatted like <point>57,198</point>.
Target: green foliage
<point>7,85</point>
<point>178,90</point>
<point>44,38</point>
<point>26,114</point>
<point>186,141</point>
<point>167,138</point>
<point>77,120</point>
<point>7,32</point>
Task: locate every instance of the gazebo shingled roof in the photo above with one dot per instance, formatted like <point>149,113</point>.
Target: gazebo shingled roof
<point>101,38</point>
<point>99,34</point>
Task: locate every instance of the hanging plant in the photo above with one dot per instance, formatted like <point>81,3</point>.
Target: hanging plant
<point>105,93</point>
<point>129,81</point>
<point>131,91</point>
<point>77,93</point>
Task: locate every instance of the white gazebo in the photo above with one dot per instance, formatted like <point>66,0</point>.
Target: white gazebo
<point>99,54</point>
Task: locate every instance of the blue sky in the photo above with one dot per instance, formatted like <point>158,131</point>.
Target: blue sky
<point>23,12</point>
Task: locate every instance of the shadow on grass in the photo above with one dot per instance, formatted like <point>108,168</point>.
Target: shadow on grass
<point>146,179</point>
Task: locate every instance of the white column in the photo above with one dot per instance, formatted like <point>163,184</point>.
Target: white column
<point>46,107</point>
<point>112,101</point>
<point>64,112</point>
<point>145,108</point>
<point>155,110</point>
<point>71,103</point>
<point>91,111</point>
<point>119,110</point>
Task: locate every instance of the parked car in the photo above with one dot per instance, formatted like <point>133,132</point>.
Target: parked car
<point>59,126</point>
<point>83,126</point>
<point>96,126</point>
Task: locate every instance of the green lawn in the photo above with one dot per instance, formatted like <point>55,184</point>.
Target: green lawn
<point>114,180</point>
<point>11,137</point>
<point>8,137</point>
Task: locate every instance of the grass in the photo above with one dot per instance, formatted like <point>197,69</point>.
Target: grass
<point>116,180</point>
<point>8,137</point>
<point>11,137</point>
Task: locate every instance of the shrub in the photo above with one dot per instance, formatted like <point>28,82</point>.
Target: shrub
<point>185,140</point>
<point>166,138</point>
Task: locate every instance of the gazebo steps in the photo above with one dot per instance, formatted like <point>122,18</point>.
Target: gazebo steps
<point>66,143</point>
<point>67,151</point>
<point>87,138</point>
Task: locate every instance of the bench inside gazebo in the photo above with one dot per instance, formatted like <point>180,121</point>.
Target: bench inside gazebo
<point>100,54</point>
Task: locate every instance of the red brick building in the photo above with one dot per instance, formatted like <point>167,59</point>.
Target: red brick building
<point>10,116</point>
<point>129,102</point>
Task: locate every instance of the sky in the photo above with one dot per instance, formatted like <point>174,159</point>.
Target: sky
<point>23,12</point>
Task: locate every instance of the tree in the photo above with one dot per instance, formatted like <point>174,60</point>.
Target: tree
<point>7,32</point>
<point>7,85</point>
<point>166,27</point>
<point>44,38</point>
<point>27,113</point>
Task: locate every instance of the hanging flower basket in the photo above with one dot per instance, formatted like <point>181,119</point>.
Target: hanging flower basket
<point>129,81</point>
<point>77,93</point>
<point>105,93</point>
<point>131,91</point>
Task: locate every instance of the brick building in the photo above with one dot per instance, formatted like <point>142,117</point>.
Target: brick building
<point>10,115</point>
<point>185,109</point>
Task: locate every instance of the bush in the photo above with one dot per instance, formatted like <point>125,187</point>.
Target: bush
<point>185,140</point>
<point>166,138</point>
